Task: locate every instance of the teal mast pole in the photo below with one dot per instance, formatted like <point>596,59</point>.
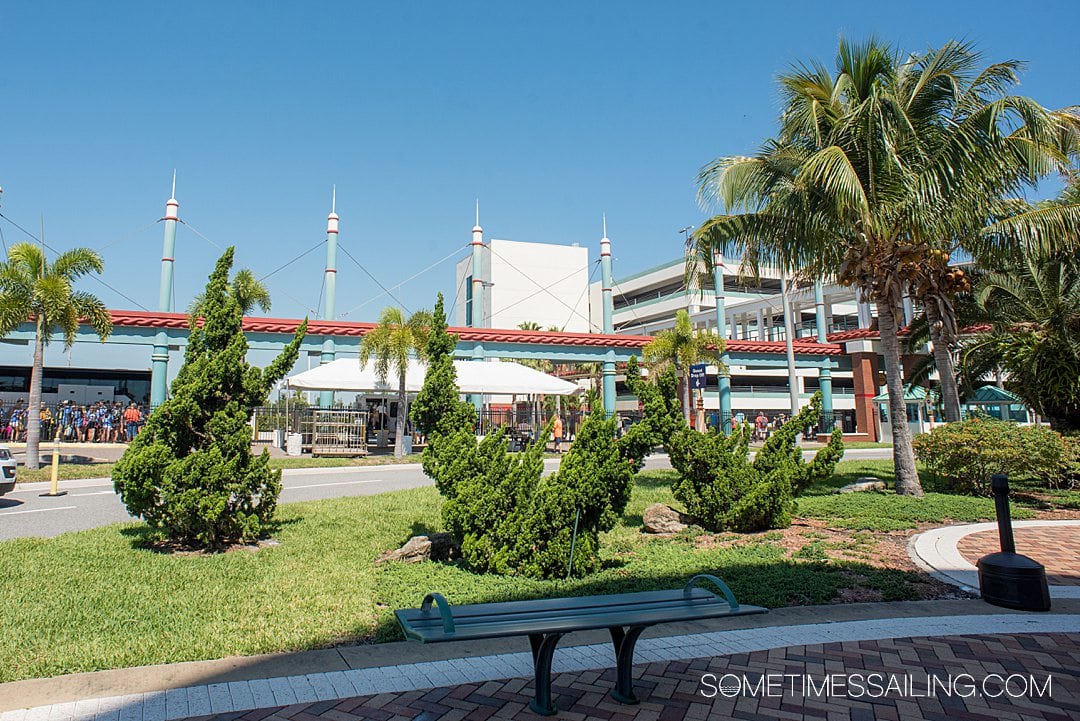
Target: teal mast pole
<point>476,308</point>
<point>326,398</point>
<point>724,379</point>
<point>609,326</point>
<point>159,373</point>
<point>825,373</point>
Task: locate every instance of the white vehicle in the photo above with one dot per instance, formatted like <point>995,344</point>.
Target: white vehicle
<point>7,470</point>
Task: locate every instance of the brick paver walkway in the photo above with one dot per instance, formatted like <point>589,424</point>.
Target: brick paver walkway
<point>673,690</point>
<point>1057,548</point>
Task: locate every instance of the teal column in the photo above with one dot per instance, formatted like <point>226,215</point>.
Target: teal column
<point>159,370</point>
<point>724,379</point>
<point>476,309</point>
<point>609,326</point>
<point>326,398</point>
<point>825,373</point>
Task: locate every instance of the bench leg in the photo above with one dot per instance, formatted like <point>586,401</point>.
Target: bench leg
<point>624,642</point>
<point>543,649</point>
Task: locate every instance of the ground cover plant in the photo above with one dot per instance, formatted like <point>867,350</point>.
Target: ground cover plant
<point>101,599</point>
<point>190,472</point>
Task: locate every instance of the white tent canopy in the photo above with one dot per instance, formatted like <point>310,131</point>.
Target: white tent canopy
<point>483,377</point>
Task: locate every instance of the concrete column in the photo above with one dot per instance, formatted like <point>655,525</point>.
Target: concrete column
<point>909,308</point>
<point>761,326</point>
<point>825,373</point>
<point>865,371</point>
<point>159,373</point>
<point>723,381</point>
<point>866,316</point>
<point>789,335</point>
<point>326,398</point>
<point>607,282</point>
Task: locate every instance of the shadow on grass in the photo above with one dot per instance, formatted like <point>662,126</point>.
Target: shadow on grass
<point>772,584</point>
<point>145,538</point>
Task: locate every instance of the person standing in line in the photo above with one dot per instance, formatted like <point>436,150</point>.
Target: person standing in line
<point>131,422</point>
<point>557,432</point>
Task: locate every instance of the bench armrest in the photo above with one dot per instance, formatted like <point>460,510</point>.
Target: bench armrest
<point>444,610</point>
<point>728,595</point>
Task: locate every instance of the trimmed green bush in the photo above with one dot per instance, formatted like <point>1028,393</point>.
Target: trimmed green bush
<point>718,483</point>
<point>190,472</point>
<point>963,455</point>
<point>507,518</point>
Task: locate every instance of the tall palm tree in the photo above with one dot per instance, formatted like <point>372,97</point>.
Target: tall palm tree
<point>1034,310</point>
<point>32,288</point>
<point>878,165</point>
<point>683,347</point>
<point>248,291</point>
<point>391,343</point>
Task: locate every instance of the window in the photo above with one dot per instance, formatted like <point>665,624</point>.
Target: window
<point>468,300</point>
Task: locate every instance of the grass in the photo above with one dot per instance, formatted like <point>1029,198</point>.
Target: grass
<point>100,599</point>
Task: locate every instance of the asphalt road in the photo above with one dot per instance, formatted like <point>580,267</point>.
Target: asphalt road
<point>90,503</point>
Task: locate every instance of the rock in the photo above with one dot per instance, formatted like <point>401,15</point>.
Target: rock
<point>866,483</point>
<point>434,547</point>
<point>659,518</point>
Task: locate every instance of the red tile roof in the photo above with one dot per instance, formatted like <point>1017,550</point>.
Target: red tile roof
<point>178,321</point>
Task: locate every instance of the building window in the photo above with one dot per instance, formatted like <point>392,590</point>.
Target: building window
<point>468,301</point>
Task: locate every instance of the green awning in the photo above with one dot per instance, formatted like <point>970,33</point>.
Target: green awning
<point>911,394</point>
<point>993,394</point>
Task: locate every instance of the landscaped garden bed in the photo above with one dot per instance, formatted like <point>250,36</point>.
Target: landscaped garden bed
<point>101,599</point>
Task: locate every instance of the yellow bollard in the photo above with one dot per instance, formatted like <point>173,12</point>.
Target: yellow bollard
<point>54,485</point>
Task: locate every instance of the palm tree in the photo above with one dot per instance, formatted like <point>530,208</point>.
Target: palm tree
<point>35,289</point>
<point>683,347</point>
<point>1034,310</point>
<point>248,291</point>
<point>879,165</point>
<point>392,342</point>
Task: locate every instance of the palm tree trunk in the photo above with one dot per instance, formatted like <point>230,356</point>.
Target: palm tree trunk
<point>907,478</point>
<point>950,394</point>
<point>399,426</point>
<point>33,410</point>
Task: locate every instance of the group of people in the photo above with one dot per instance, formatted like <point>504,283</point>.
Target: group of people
<point>100,422</point>
<point>764,426</point>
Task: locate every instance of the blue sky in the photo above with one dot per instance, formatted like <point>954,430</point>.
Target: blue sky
<point>548,112</point>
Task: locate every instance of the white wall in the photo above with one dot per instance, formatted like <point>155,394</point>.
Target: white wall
<point>541,282</point>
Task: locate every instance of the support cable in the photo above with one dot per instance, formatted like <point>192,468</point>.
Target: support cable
<point>93,277</point>
<point>411,278</point>
<point>369,275</point>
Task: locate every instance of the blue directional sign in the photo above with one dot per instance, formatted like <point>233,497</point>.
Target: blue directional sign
<point>697,376</point>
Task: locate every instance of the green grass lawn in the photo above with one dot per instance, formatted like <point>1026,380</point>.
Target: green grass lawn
<point>98,599</point>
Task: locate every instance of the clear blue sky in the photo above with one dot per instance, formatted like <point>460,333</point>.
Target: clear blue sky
<point>548,112</point>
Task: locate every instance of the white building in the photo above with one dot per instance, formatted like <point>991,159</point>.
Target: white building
<point>544,283</point>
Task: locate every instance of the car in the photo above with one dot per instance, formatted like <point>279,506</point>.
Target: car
<point>7,470</point>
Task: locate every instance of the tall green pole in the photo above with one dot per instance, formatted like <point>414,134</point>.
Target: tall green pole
<point>609,326</point>
<point>724,379</point>
<point>159,373</point>
<point>326,398</point>
<point>824,374</point>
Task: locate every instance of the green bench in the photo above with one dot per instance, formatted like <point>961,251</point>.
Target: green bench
<point>545,621</point>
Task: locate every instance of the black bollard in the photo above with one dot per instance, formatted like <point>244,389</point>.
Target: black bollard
<point>1008,578</point>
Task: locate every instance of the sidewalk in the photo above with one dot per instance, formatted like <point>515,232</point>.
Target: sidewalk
<point>493,678</point>
<point>950,553</point>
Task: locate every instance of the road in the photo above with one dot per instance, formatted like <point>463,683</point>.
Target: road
<point>91,502</point>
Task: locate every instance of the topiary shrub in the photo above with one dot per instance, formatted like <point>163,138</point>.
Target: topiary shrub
<point>963,455</point>
<point>718,483</point>
<point>190,472</point>
<point>507,518</point>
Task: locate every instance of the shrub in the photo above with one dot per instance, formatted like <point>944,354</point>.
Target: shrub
<point>507,517</point>
<point>190,471</point>
<point>718,483</point>
<point>963,455</point>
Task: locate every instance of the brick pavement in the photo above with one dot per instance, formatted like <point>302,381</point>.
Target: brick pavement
<point>672,690</point>
<point>1057,548</point>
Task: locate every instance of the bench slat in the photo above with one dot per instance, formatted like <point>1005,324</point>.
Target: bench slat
<point>476,621</point>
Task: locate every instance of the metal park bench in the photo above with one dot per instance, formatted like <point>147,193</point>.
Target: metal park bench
<point>545,621</point>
